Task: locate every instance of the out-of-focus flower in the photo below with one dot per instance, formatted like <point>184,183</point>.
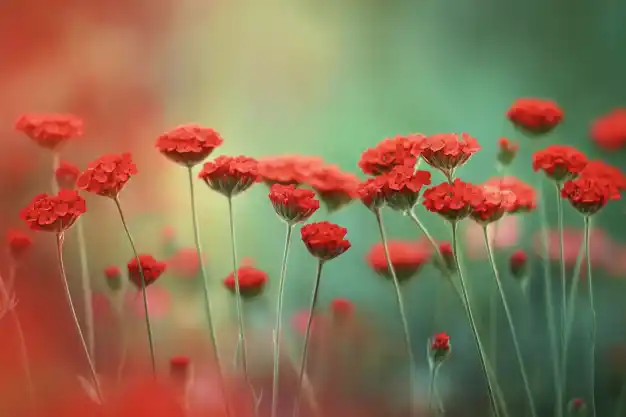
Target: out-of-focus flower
<point>19,243</point>
<point>341,309</point>
<point>488,204</point>
<point>230,175</point>
<point>54,213</point>
<point>371,193</point>
<point>189,144</point>
<point>447,264</point>
<point>390,153</point>
<point>159,303</point>
<point>588,195</point>
<point>518,265</point>
<point>180,368</point>
<point>407,258</point>
<point>152,270</point>
<point>402,187</point>
<point>560,162</point>
<point>525,195</point>
<point>613,177</point>
<point>439,348</point>
<point>447,151</point>
<point>293,205</point>
<point>113,276</point>
<point>507,150</point>
<point>67,175</point>
<point>334,187</point>
<point>184,263</point>
<point>451,201</point>
<point>535,116</point>
<point>288,169</point>
<point>609,130</point>
<point>50,130</point>
<point>325,240</point>
<point>577,408</point>
<point>573,239</point>
<point>505,234</point>
<point>107,175</point>
<point>252,281</point>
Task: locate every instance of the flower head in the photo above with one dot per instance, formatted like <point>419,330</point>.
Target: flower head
<point>447,263</point>
<point>439,349</point>
<point>390,153</point>
<point>252,281</point>
<point>609,131</point>
<point>341,309</point>
<point>334,187</point>
<point>406,257</point>
<point>113,276</point>
<point>518,265</point>
<point>107,175</point>
<point>19,243</point>
<point>230,175</point>
<point>447,151</point>
<point>535,116</point>
<point>402,187</point>
<point>66,175</point>
<point>613,177</point>
<point>188,144</point>
<point>50,130</point>
<point>577,408</point>
<point>507,150</point>
<point>452,201</point>
<point>180,368</point>
<point>589,194</point>
<point>325,240</point>
<point>560,162</point>
<point>288,169</point>
<point>490,204</point>
<point>525,195</point>
<point>152,270</point>
<point>293,205</point>
<point>55,213</point>
<point>371,193</point>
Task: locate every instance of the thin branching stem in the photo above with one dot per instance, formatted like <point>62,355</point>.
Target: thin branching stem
<point>592,372</point>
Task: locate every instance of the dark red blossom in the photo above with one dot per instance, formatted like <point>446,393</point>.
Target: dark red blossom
<point>439,348</point>
<point>50,130</point>
<point>452,201</point>
<point>230,175</point>
<point>609,130</point>
<point>325,240</point>
<point>447,151</point>
<point>152,270</point>
<point>490,204</point>
<point>390,153</point>
<point>113,276</point>
<point>560,162</point>
<point>588,195</point>
<point>188,144</point>
<point>525,195</point>
<point>19,243</point>
<point>371,193</point>
<point>518,264</point>
<point>252,281</point>
<point>288,169</point>
<point>55,213</point>
<point>534,115</point>
<point>407,258</point>
<point>402,187</point>
<point>293,205</point>
<point>107,175</point>
<point>507,150</point>
<point>67,175</point>
<point>334,187</point>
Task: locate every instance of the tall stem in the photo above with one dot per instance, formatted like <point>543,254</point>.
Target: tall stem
<point>403,317</point>
<point>205,288</point>
<point>592,376</point>
<point>431,385</point>
<point>121,311</point>
<point>279,317</point>
<point>242,333</point>
<point>307,336</point>
<point>509,318</point>
<point>87,291</point>
<point>472,322</point>
<point>70,304</point>
<point>143,284</point>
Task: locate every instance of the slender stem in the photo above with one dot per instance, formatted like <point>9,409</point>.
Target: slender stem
<point>561,230</point>
<point>68,298</point>
<point>56,161</point>
<point>592,376</point>
<point>124,344</point>
<point>205,288</point>
<point>431,385</point>
<point>307,336</point>
<point>242,334</point>
<point>87,291</point>
<point>403,317</point>
<point>426,234</point>
<point>472,322</point>
<point>279,317</point>
<point>621,399</point>
<point>143,284</point>
<point>509,317</point>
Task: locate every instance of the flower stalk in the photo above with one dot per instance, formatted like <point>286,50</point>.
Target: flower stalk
<point>592,376</point>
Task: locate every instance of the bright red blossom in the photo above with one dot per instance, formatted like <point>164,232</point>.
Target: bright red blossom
<point>535,116</point>
<point>152,270</point>
<point>588,195</point>
<point>609,131</point>
<point>447,151</point>
<point>252,281</point>
<point>525,195</point>
<point>50,130</point>
<point>439,348</point>
<point>390,153</point>
<point>230,175</point>
<point>113,276</point>
<point>452,201</point>
<point>292,204</point>
<point>489,204</point>
<point>407,258</point>
<point>325,240</point>
<point>188,144</point>
<point>19,243</point>
<point>402,187</point>
<point>614,177</point>
<point>107,175</point>
<point>371,193</point>
<point>559,162</point>
<point>335,187</point>
<point>66,175</point>
<point>54,213</point>
<point>288,169</point>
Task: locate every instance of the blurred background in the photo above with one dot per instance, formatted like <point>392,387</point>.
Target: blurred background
<point>324,78</point>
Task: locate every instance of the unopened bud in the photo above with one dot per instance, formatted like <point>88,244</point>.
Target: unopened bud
<point>66,175</point>
<point>438,349</point>
<point>507,151</point>
<point>19,243</point>
<point>446,263</point>
<point>113,276</point>
<point>577,408</point>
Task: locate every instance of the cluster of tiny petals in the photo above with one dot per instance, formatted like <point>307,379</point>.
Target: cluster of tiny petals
<point>390,153</point>
<point>371,193</point>
<point>292,204</point>
<point>66,175</point>
<point>151,268</point>
<point>325,240</point>
<point>451,201</point>
<point>252,281</point>
<point>525,194</point>
<point>401,187</point>
<point>613,177</point>
<point>288,169</point>
<point>50,130</point>
<point>188,144</point>
<point>588,195</point>
<point>439,348</point>
<point>230,175</point>
<point>334,186</point>
<point>54,213</point>
<point>490,204</point>
<point>534,115</point>
<point>560,162</point>
<point>107,175</point>
<point>447,151</point>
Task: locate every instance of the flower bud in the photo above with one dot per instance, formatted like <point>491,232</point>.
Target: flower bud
<point>113,276</point>
<point>66,175</point>
<point>19,243</point>
<point>577,408</point>
<point>438,349</point>
<point>180,367</point>
<point>507,150</point>
<point>518,264</point>
<point>446,262</point>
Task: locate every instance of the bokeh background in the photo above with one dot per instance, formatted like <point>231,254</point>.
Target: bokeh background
<point>325,78</point>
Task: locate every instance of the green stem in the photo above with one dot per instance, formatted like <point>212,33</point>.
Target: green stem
<point>431,385</point>
<point>592,376</point>
<point>86,286</point>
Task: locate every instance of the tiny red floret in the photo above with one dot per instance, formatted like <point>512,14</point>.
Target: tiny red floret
<point>535,116</point>
<point>108,175</point>
<point>342,309</point>
<point>50,131</point>
<point>371,193</point>
<point>230,175</point>
<point>189,144</point>
<point>560,162</point>
<point>152,270</point>
<point>55,213</point>
<point>439,348</point>
<point>507,150</point>
<point>402,187</point>
<point>293,205</point>
<point>325,240</point>
<point>518,264</point>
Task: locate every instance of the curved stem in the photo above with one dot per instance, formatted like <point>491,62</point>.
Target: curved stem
<point>426,234</point>
<point>307,336</point>
<point>87,291</point>
<point>509,318</point>
<point>143,284</point>
<point>592,376</point>
<point>431,385</point>
<point>403,317</point>
<point>70,304</point>
<point>205,289</point>
<point>472,322</point>
<point>279,317</point>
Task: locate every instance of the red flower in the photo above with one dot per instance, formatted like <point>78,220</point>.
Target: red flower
<point>189,144</point>
<point>325,240</point>
<point>185,263</point>
<point>609,131</point>
<point>447,151</point>
<point>179,368</point>
<point>341,309</point>
<point>439,348</point>
<point>288,169</point>
<point>525,195</point>
<point>230,175</point>
<point>577,407</point>
<point>452,201</point>
<point>388,154</point>
<point>19,243</point>
<point>293,205</point>
<point>490,204</point>
<point>518,264</point>
<point>613,177</point>
<point>113,276</point>
<point>252,281</point>
<point>152,270</point>
<point>560,162</point>
<point>50,130</point>
<point>66,175</point>
<point>54,213</point>
<point>507,151</point>
<point>107,175</point>
<point>371,193</point>
<point>335,187</point>
<point>402,187</point>
<point>588,195</point>
<point>535,116</point>
<point>407,258</point>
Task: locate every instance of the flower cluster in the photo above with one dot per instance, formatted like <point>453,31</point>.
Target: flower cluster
<point>288,169</point>
<point>401,187</point>
<point>50,131</point>
<point>451,201</point>
<point>189,144</point>
<point>560,162</point>
<point>19,243</point>
<point>230,175</point>
<point>490,204</point>
<point>334,187</point>
<point>447,151</point>
<point>66,175</point>
<point>293,205</point>
<point>150,267</point>
<point>107,175</point>
<point>589,194</point>
<point>325,240</point>
<point>55,213</point>
<point>251,281</point>
<point>535,116</point>
<point>525,194</point>
<point>390,153</point>
<point>406,257</point>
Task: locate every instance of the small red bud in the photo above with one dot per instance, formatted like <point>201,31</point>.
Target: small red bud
<point>113,276</point>
<point>19,243</point>
<point>507,151</point>
<point>438,349</point>
<point>341,309</point>
<point>180,369</point>
<point>519,264</point>
<point>67,175</point>
<point>447,264</point>
<point>577,408</point>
